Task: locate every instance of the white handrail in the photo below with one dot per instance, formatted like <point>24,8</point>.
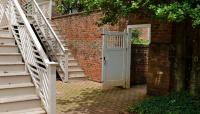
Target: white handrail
<point>57,51</point>
<point>42,71</point>
<point>30,30</point>
<point>49,26</point>
<point>3,20</point>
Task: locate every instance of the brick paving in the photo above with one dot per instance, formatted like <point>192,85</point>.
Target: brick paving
<point>86,97</point>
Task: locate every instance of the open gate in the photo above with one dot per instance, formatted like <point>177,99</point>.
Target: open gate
<point>116,59</point>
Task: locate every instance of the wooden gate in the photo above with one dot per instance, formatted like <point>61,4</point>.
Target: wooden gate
<point>116,59</point>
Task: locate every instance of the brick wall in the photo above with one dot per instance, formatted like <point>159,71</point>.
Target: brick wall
<point>84,38</point>
<point>159,64</point>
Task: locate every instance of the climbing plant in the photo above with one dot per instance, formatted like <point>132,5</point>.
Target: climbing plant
<point>66,6</point>
<point>184,12</point>
<point>172,10</point>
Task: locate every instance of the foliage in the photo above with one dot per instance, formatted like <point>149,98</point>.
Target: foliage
<point>113,10</point>
<point>136,38</point>
<point>139,41</point>
<point>175,103</point>
<point>136,33</point>
<point>65,6</point>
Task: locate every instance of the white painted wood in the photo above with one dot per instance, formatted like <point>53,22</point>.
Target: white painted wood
<point>114,59</point>
<point>7,40</point>
<point>18,92</point>
<point>12,86</point>
<point>12,67</point>
<point>9,49</point>
<point>46,7</point>
<point>52,93</point>
<point>27,111</point>
<point>128,62</point>
<point>19,87</point>
<point>12,79</point>
<point>5,33</point>
<point>10,58</point>
<point>21,103</point>
<point>55,49</point>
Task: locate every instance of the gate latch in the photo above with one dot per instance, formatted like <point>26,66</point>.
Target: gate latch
<point>104,59</point>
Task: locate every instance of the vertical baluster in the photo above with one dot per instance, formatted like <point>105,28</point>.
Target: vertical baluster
<point>66,65</point>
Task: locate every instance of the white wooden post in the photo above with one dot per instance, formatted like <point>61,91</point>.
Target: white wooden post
<point>50,9</point>
<point>66,78</point>
<point>52,89</point>
<point>103,57</point>
<point>128,61</point>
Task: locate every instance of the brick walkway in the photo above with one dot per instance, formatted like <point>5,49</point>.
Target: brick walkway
<point>86,97</point>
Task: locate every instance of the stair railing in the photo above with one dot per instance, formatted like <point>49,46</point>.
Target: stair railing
<point>3,20</point>
<point>55,48</point>
<point>2,10</point>
<point>42,71</point>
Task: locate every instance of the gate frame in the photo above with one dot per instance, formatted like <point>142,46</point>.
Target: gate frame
<point>127,59</point>
<point>129,37</point>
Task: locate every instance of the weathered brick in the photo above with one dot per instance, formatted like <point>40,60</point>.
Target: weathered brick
<point>85,41</point>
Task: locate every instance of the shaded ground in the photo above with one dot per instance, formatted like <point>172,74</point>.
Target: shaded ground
<point>86,97</point>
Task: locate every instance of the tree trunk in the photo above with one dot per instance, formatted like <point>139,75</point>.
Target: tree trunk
<point>179,71</point>
<point>195,73</point>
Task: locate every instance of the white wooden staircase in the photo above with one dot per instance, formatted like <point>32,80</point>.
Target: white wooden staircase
<point>74,69</point>
<point>54,43</point>
<point>17,91</point>
<point>27,76</point>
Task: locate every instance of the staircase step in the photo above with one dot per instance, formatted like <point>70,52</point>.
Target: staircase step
<point>12,67</point>
<point>73,64</point>
<point>14,78</point>
<point>18,98</point>
<point>10,58</point>
<point>64,41</point>
<point>71,58</point>
<point>7,40</point>
<point>17,91</point>
<point>18,94</point>
<point>19,103</point>
<point>4,27</point>
<point>5,33</point>
<point>29,111</point>
<point>74,67</point>
<point>9,49</point>
<point>57,32</point>
<point>61,37</point>
<point>72,61</point>
<point>21,85</point>
<point>75,70</point>
<point>79,74</point>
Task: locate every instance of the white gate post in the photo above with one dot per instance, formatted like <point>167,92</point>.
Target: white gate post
<point>50,9</point>
<point>128,59</point>
<point>52,89</point>
<point>103,57</point>
<point>66,75</point>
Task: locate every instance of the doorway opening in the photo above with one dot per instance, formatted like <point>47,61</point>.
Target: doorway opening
<point>140,39</point>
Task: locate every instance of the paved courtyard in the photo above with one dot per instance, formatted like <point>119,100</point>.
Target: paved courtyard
<point>86,97</point>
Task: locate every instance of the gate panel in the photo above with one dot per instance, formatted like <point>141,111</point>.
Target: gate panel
<point>115,46</point>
